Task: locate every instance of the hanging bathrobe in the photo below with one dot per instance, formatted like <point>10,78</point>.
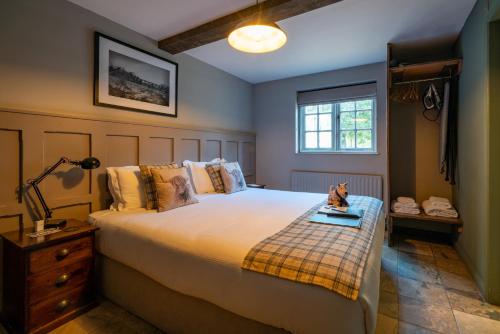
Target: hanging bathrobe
<point>450,157</point>
<point>444,128</point>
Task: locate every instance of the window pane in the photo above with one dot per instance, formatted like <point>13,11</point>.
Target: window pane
<point>311,140</point>
<point>325,108</point>
<point>343,125</point>
<point>311,122</point>
<point>347,120</point>
<point>364,105</point>
<point>325,140</point>
<point>325,121</point>
<point>347,140</point>
<point>347,106</point>
<point>364,119</point>
<point>311,109</point>
<point>364,139</point>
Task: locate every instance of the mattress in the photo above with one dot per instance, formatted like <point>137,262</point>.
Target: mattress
<point>198,250</point>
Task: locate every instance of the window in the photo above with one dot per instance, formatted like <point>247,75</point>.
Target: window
<point>338,126</point>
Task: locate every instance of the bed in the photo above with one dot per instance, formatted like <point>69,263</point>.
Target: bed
<point>190,259</point>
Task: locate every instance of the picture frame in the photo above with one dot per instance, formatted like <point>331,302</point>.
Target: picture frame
<point>126,77</point>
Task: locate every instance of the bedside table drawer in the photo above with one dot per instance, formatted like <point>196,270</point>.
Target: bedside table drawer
<point>60,280</point>
<point>60,255</point>
<point>47,310</point>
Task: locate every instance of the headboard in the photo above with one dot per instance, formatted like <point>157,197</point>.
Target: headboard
<point>31,142</point>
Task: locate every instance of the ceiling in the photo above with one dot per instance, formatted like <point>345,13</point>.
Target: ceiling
<point>345,34</point>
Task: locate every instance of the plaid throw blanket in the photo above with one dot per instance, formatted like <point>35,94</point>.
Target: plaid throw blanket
<point>330,256</point>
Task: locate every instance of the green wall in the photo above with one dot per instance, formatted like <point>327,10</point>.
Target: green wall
<point>473,192</point>
<point>494,232</point>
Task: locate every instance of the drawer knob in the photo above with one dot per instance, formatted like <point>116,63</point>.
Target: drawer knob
<point>62,253</point>
<point>62,305</point>
<point>61,280</point>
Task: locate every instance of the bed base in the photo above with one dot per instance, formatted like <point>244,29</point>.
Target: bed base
<point>169,310</point>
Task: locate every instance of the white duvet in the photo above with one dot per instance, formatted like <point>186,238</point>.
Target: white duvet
<point>197,250</point>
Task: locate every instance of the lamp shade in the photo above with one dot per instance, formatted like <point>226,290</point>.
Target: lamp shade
<point>257,37</point>
<point>89,163</point>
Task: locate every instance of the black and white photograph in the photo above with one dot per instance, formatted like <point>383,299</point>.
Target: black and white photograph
<point>133,79</point>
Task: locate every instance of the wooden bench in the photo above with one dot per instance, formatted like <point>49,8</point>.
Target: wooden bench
<point>457,222</point>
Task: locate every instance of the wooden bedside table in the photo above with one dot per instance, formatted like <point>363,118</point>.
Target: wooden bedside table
<point>48,280</point>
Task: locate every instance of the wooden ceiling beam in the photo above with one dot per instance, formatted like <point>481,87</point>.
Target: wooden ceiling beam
<point>270,10</point>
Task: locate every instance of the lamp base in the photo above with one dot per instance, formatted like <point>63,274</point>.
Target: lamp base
<point>53,223</point>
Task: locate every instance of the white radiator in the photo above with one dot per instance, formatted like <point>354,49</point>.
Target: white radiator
<point>319,182</point>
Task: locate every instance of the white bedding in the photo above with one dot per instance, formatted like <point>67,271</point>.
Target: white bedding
<point>198,250</point>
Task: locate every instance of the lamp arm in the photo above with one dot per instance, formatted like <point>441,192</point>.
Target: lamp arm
<point>42,176</point>
<point>48,212</point>
<point>34,183</point>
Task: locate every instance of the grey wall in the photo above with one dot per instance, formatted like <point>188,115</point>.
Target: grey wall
<point>473,186</point>
<point>46,64</point>
<point>275,108</point>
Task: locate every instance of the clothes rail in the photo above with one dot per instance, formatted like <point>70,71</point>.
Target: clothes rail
<point>422,80</point>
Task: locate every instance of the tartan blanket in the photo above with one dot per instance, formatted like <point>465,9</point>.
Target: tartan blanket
<point>329,256</point>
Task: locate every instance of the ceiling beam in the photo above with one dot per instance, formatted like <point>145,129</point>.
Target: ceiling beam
<point>270,10</point>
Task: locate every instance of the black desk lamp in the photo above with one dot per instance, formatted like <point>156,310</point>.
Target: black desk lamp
<point>87,163</point>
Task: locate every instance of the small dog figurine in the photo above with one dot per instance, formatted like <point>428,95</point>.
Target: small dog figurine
<point>337,196</point>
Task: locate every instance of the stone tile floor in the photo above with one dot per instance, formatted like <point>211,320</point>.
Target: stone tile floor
<point>425,288</point>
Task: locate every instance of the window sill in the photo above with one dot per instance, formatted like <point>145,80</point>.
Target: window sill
<point>337,153</point>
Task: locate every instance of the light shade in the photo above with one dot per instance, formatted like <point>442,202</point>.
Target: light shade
<point>257,38</point>
<point>89,163</point>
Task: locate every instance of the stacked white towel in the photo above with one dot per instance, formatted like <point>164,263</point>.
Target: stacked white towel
<point>405,205</point>
<point>439,207</point>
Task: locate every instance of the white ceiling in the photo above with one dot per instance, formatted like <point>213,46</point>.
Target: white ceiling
<point>345,34</point>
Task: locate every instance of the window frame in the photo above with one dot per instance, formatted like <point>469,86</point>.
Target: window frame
<point>335,128</point>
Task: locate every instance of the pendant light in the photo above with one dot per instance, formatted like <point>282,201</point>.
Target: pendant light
<point>258,36</point>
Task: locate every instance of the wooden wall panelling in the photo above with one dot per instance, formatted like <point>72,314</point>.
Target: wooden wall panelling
<point>11,168</point>
<point>66,180</point>
<point>122,150</point>
<point>212,149</point>
<point>33,134</point>
<point>31,141</point>
<point>77,210</point>
<point>100,196</point>
<point>10,222</point>
<point>189,149</point>
<point>248,158</point>
<point>160,150</point>
<point>230,150</point>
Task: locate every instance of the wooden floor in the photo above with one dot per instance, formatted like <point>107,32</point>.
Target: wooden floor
<point>425,288</point>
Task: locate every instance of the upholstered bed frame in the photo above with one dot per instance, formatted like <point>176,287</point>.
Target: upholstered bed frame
<point>169,310</point>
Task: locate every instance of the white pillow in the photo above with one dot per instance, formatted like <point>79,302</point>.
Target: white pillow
<point>114,186</point>
<point>199,176</point>
<point>132,194</point>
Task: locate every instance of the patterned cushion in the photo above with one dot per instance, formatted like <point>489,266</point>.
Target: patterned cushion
<point>173,188</point>
<point>149,184</point>
<point>232,177</point>
<point>213,171</point>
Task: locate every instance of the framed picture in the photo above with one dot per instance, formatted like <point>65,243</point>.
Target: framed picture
<point>126,77</point>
